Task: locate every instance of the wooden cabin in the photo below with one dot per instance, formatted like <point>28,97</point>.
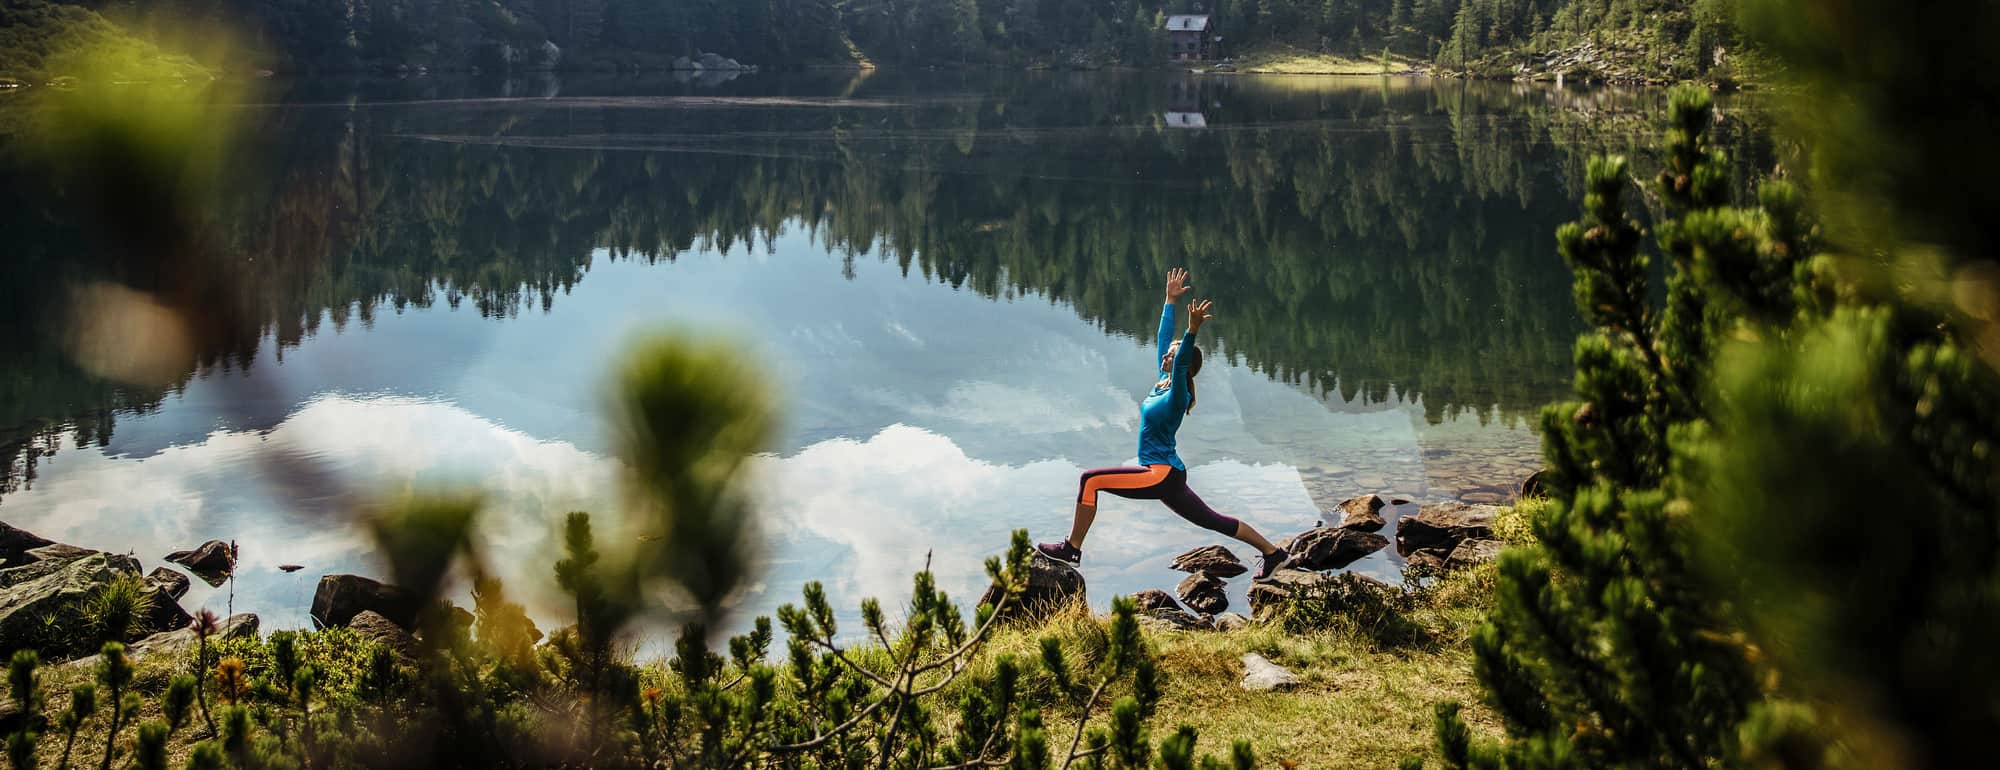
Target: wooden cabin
<point>1189,38</point>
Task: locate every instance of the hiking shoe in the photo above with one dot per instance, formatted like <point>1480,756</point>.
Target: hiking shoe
<point>1063,552</point>
<point>1273,561</point>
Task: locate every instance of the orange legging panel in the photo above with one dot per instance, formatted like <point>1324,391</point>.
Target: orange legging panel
<point>1120,478</point>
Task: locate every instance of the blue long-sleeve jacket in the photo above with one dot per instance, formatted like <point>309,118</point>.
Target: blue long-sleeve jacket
<point>1160,414</point>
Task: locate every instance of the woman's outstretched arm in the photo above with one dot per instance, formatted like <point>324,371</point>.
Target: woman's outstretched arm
<point>1198,313</point>
<point>1177,285</point>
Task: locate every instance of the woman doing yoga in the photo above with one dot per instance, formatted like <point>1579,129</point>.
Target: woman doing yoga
<point>1161,475</point>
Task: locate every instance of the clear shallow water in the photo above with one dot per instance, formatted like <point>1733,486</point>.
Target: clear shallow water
<point>951,280</point>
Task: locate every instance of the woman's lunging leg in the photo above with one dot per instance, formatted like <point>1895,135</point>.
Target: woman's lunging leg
<point>1125,482</point>
<point>1189,505</point>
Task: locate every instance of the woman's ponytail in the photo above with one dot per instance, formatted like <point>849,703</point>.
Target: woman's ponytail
<point>1194,368</point>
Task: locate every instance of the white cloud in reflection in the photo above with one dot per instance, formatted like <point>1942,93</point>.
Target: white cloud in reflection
<point>860,515</point>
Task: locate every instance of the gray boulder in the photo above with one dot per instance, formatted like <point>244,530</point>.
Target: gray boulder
<point>1212,559</point>
<point>174,584</point>
<point>1052,585</point>
<point>1345,591</point>
<point>1272,594</point>
<point>1261,675</point>
<point>1175,619</point>
<point>372,625</point>
<point>1471,553</point>
<point>1444,526</point>
<point>1363,514</point>
<point>1203,593</point>
<point>184,641</point>
<point>1325,548</point>
<point>1231,621</point>
<point>58,552</point>
<point>341,597</point>
<point>210,561</point>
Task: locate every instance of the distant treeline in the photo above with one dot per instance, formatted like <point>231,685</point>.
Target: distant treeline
<point>1679,36</point>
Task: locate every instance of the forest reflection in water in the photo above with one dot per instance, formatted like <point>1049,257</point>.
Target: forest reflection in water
<point>1392,308</point>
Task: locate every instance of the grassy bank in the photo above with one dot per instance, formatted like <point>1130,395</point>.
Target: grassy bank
<point>1290,60</point>
<point>1371,676</point>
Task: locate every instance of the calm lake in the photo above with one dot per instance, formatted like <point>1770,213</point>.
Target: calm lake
<point>951,279</point>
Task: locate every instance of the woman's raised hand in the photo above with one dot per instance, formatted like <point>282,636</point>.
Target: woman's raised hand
<point>1198,313</point>
<point>1177,284</point>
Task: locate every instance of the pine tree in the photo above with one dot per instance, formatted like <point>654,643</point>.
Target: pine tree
<point>1605,648</point>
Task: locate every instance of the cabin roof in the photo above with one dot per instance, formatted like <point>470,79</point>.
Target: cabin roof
<point>1187,23</point>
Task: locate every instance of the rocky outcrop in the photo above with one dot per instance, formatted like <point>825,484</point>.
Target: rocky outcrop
<point>52,589</point>
<point>1052,585</point>
<point>1203,593</point>
<point>1212,559</point>
<point>1325,548</point>
<point>341,597</point>
<point>210,561</point>
<point>373,625</point>
<point>1272,594</point>
<point>1443,526</point>
<point>1261,675</point>
<point>1230,621</point>
<point>1471,553</point>
<point>174,584</point>
<point>1362,514</point>
<point>1343,591</point>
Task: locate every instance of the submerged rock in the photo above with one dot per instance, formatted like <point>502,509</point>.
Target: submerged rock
<point>210,561</point>
<point>1052,585</point>
<point>1204,593</point>
<point>1261,675</point>
<point>1212,559</point>
<point>341,597</point>
<point>1326,548</point>
<point>1444,526</point>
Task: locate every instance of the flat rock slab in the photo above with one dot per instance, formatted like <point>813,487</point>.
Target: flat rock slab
<point>1212,559</point>
<point>1261,675</point>
<point>184,640</point>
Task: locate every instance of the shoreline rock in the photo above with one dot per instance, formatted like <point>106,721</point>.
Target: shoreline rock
<point>212,561</point>
<point>1215,560</point>
<point>341,597</point>
<point>1052,585</point>
<point>1362,514</point>
<point>1204,593</point>
<point>1443,526</point>
<point>174,584</point>
<point>1330,548</point>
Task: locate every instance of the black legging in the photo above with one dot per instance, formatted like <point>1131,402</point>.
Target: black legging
<point>1164,483</point>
